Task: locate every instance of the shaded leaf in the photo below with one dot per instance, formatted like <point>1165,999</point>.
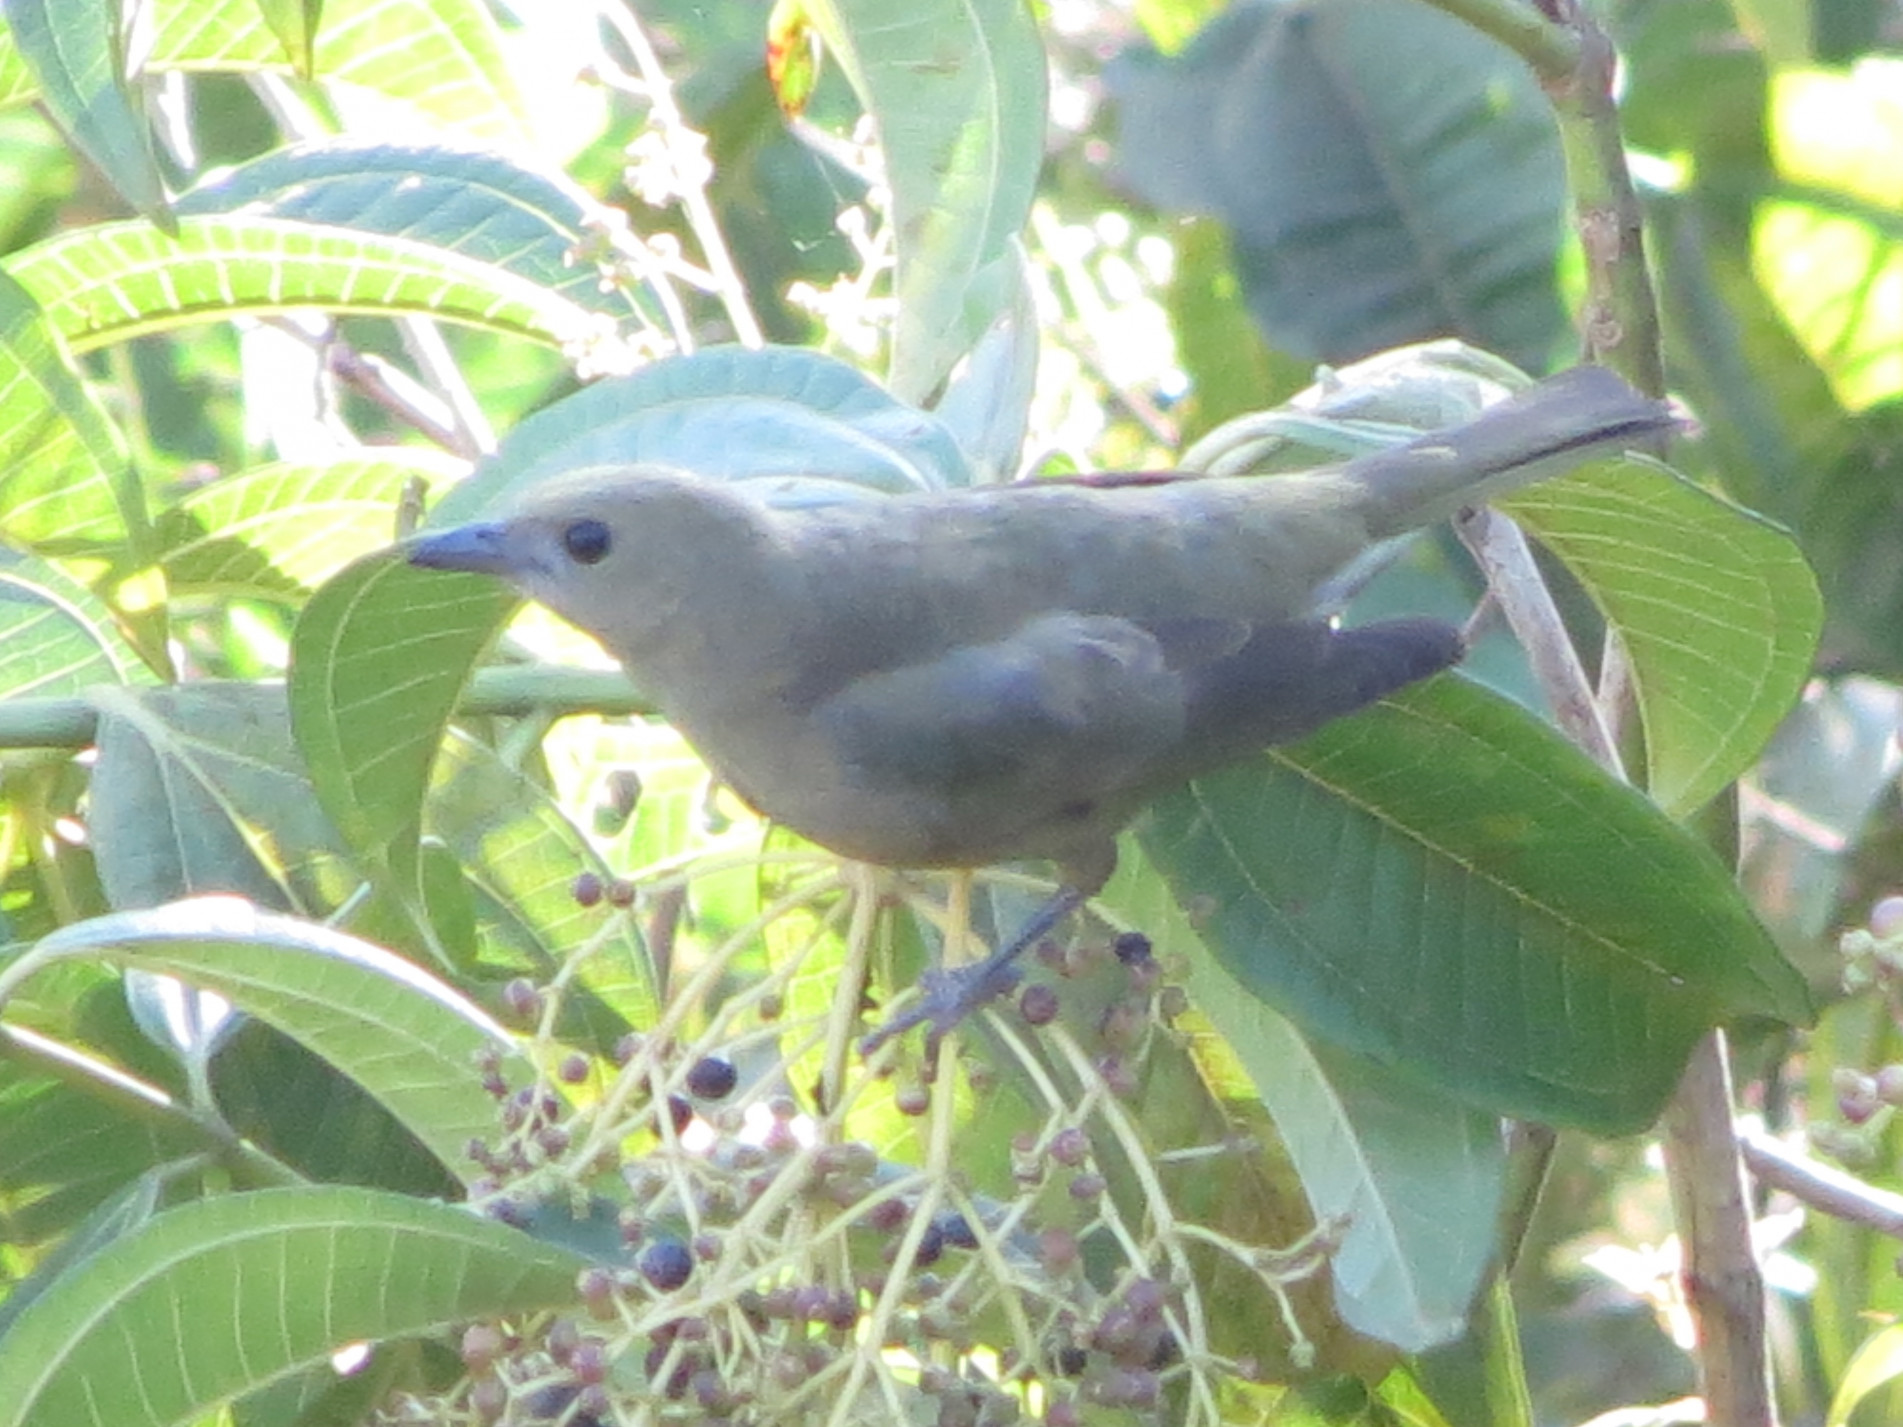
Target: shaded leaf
<point>276,1280</point>
<point>1409,1178</point>
<point>56,636</point>
<point>1372,204</point>
<point>987,406</point>
<point>76,52</point>
<point>295,24</point>
<point>521,857</point>
<point>199,789</point>
<point>378,659</point>
<point>1444,885</point>
<point>62,462</point>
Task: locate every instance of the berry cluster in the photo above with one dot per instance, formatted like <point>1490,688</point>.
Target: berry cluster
<point>763,1256</point>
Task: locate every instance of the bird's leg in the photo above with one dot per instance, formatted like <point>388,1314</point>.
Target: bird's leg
<point>948,994</point>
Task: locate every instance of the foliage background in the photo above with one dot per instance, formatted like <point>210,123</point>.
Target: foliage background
<point>178,485</point>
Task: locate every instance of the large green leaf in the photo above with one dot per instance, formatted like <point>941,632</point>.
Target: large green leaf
<point>409,1040</point>
<point>1716,608</point>
<point>957,88</point>
<point>280,530</point>
<point>378,659</point>
<point>473,202</point>
<point>1373,202</point>
<point>1442,884</point>
<point>809,425</point>
<point>221,1296</point>
<point>1409,1178</point>
<point>116,281</point>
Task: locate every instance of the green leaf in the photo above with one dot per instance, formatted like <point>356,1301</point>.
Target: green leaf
<point>1412,1178</point>
<point>987,406</point>
<point>116,281</point>
<point>274,1280</point>
<point>780,414</point>
<point>278,531</point>
<point>1715,606</point>
<point>430,66</point>
<point>295,24</point>
<point>68,1157</point>
<point>1442,884</point>
<point>1372,204</point>
<point>1416,1176</point>
<point>56,637</point>
<point>1878,1361</point>
<point>76,51</point>
<point>378,659</point>
<point>406,1038</point>
<point>199,788</point>
<point>1231,370</point>
<point>1780,29</point>
<point>957,88</point>
<point>61,458</point>
<point>477,203</point>
<point>521,855</point>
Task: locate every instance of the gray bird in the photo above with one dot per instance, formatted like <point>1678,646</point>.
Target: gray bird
<point>960,678</point>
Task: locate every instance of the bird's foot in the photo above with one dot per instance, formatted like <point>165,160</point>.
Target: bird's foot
<point>946,996</point>
<point>949,994</point>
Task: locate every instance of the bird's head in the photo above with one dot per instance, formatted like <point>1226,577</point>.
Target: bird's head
<point>614,549</point>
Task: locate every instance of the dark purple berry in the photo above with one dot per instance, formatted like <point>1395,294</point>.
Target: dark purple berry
<point>666,1263</point>
<point>1038,1004</point>
<point>712,1077</point>
<point>956,1230</point>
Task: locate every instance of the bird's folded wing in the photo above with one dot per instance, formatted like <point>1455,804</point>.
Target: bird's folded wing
<point>1070,705</point>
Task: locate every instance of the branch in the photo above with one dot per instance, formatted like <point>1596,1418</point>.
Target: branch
<point>507,691</point>
<point>1821,1186</point>
<point>1724,1288</point>
<point>1575,62</point>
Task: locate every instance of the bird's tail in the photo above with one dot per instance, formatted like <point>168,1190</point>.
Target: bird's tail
<point>1557,424</point>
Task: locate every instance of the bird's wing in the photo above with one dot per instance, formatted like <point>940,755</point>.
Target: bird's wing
<point>1066,707</point>
<point>1287,680</point>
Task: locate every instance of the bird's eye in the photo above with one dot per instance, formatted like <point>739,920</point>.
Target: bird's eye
<point>586,541</point>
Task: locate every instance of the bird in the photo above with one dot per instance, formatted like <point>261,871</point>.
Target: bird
<point>957,678</point>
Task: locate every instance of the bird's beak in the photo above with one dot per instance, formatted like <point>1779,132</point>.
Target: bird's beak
<point>482,548</point>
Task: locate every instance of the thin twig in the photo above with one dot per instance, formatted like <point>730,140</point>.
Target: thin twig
<point>1821,1186</point>
<point>666,116</point>
<point>1500,549</point>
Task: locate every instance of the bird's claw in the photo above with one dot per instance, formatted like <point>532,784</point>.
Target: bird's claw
<point>946,996</point>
